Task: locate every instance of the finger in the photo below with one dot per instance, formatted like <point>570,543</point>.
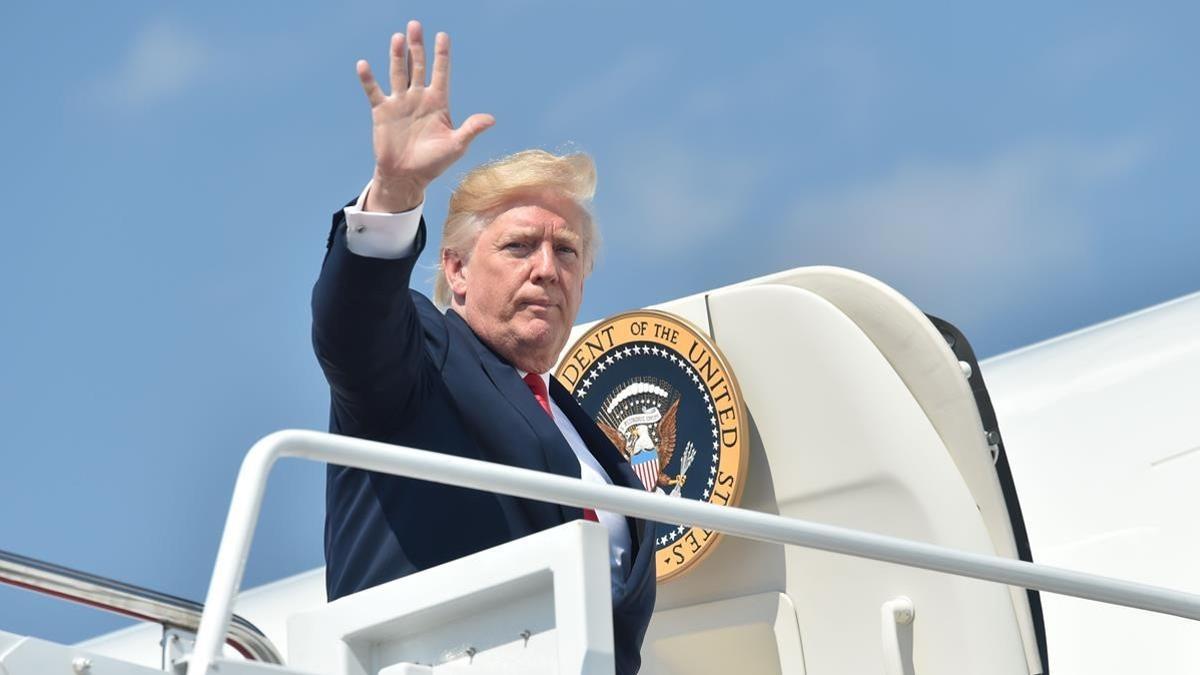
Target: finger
<point>399,68</point>
<point>473,126</point>
<point>416,54</point>
<point>441,64</point>
<point>370,86</point>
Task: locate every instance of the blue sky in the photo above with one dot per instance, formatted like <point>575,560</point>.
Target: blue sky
<point>168,169</point>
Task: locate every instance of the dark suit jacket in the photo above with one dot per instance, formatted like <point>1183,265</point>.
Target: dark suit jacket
<point>402,372</point>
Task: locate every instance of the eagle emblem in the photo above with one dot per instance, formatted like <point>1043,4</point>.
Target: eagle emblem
<point>661,392</point>
<point>633,419</point>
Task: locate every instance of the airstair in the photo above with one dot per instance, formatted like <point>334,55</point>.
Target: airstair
<point>879,531</point>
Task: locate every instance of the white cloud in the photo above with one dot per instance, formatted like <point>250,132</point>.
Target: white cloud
<point>162,61</point>
<point>968,238</point>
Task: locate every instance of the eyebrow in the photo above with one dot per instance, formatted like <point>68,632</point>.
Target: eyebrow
<point>522,231</point>
<point>567,235</point>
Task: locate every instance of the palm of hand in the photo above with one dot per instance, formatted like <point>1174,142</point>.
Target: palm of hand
<point>413,135</point>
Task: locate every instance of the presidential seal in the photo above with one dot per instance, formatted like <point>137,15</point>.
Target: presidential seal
<point>665,397</point>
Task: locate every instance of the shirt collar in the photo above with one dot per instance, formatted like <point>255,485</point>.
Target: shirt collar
<point>545,377</point>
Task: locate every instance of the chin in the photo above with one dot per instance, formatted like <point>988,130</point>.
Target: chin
<point>537,351</point>
<point>542,333</point>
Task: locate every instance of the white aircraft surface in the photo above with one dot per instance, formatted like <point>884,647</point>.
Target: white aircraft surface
<point>1100,428</point>
<point>864,418</point>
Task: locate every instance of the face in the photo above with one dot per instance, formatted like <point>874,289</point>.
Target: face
<point>521,287</point>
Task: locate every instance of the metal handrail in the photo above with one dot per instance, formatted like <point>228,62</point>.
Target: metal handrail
<point>440,468</point>
<point>129,601</point>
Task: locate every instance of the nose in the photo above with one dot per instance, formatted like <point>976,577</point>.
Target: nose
<point>545,264</point>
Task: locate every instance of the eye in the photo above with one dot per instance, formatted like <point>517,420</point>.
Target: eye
<point>564,249</point>
<point>517,247</point>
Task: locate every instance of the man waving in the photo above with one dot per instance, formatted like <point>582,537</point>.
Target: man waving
<point>518,242</point>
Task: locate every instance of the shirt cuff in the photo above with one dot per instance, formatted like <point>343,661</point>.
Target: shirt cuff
<point>381,235</point>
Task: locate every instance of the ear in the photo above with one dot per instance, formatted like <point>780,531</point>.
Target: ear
<point>455,270</point>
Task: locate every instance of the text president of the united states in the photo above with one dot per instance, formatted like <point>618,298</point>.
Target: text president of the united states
<point>473,380</point>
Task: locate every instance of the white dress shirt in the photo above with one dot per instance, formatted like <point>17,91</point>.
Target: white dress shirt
<point>392,235</point>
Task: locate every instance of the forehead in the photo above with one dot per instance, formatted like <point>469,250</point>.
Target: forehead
<point>538,211</point>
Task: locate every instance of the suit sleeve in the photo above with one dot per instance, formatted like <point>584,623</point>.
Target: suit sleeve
<point>367,334</point>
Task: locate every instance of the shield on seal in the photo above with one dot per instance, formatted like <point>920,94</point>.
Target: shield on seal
<point>645,465</point>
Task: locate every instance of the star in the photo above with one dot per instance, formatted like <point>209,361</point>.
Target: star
<point>706,399</point>
<point>714,433</point>
<point>712,470</point>
<point>600,367</point>
<point>706,494</point>
<point>716,457</point>
<point>609,361</point>
<point>710,482</point>
<point>715,446</point>
<point>674,359</point>
<point>710,407</point>
<point>637,349</point>
<point>712,419</point>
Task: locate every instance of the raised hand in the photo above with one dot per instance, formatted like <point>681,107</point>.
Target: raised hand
<point>414,137</point>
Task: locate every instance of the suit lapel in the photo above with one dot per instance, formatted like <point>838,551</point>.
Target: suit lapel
<point>552,453</point>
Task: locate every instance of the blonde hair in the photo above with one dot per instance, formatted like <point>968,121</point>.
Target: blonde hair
<point>481,194</point>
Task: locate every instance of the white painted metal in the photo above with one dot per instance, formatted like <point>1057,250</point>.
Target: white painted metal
<point>251,483</point>
<point>239,667</point>
<point>1101,432</point>
<point>29,656</point>
<point>755,634</point>
<point>896,618</point>
<point>539,605</point>
<point>926,366</point>
<point>844,440</point>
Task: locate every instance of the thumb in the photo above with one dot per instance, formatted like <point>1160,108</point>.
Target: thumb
<point>473,126</point>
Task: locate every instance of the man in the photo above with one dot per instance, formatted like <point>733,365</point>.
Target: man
<point>517,245</point>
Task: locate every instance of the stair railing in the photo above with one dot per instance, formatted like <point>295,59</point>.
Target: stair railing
<point>441,468</point>
<point>130,601</point>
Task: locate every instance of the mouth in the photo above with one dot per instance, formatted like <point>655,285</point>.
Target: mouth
<point>535,311</point>
<point>537,303</point>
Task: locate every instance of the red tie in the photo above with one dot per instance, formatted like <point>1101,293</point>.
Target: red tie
<point>538,387</point>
